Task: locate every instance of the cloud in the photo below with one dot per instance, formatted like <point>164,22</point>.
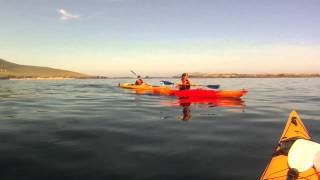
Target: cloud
<point>65,15</point>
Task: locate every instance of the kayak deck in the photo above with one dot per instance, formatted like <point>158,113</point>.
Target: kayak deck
<point>278,167</point>
<point>141,87</point>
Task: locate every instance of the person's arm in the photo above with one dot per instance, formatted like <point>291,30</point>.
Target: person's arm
<point>178,84</point>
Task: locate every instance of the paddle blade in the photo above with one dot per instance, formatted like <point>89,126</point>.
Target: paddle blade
<point>214,86</point>
<point>167,82</point>
<point>133,72</point>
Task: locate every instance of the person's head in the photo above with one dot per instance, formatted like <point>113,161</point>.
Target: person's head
<point>184,76</point>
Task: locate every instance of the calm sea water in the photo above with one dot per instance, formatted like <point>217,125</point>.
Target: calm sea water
<point>91,129</point>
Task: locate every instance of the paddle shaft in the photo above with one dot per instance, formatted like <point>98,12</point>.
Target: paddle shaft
<point>209,86</point>
<point>134,73</point>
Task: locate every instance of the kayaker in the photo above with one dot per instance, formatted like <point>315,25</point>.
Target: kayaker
<point>139,81</point>
<point>184,83</point>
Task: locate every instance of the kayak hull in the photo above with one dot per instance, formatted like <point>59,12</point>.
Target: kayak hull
<point>278,167</point>
<point>142,87</point>
<point>209,93</point>
<point>133,86</point>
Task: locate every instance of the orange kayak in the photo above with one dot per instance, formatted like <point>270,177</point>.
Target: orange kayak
<point>142,87</point>
<point>278,168</point>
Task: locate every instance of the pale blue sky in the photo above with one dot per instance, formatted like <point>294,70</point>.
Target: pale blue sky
<point>162,37</point>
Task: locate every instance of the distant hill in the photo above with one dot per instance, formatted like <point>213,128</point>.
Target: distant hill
<point>12,70</point>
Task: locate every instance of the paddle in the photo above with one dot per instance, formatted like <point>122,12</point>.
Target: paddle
<point>167,82</point>
<point>137,76</point>
<point>134,73</point>
<point>216,86</point>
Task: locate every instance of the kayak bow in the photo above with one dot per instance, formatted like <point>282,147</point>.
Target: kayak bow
<point>278,167</point>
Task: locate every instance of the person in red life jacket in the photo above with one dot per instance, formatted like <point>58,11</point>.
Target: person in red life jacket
<point>139,81</point>
<point>184,83</point>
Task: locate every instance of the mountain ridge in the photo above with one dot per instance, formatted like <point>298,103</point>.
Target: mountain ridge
<point>13,70</point>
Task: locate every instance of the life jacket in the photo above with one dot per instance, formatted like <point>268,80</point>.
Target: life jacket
<point>139,82</point>
<point>185,85</point>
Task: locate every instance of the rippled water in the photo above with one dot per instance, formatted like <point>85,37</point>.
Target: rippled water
<point>91,129</point>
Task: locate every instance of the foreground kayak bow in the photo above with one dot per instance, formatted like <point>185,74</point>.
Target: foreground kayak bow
<point>278,168</point>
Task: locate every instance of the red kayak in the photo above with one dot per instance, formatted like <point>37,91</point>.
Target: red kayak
<point>201,93</point>
<point>206,93</point>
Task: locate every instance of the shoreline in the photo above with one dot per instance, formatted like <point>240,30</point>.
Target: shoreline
<point>194,76</point>
<point>58,78</point>
<point>255,75</point>
<point>51,78</point>
<point>40,79</point>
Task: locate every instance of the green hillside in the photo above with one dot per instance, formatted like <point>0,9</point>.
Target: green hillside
<point>12,70</point>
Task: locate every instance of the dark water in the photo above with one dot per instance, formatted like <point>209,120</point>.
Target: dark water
<point>91,129</point>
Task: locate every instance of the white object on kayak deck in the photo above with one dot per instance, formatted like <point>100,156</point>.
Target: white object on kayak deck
<point>316,161</point>
<point>303,154</point>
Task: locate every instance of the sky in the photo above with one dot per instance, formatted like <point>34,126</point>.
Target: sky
<point>163,37</point>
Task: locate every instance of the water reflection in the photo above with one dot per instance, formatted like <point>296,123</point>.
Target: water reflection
<point>212,102</point>
<point>6,93</point>
<point>186,114</point>
<point>189,103</point>
<point>186,103</point>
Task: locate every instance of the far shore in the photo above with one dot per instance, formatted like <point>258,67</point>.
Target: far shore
<point>51,78</point>
<point>40,78</point>
<point>266,75</point>
<point>195,75</point>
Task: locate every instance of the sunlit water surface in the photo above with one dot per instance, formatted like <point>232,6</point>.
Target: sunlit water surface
<point>91,129</point>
